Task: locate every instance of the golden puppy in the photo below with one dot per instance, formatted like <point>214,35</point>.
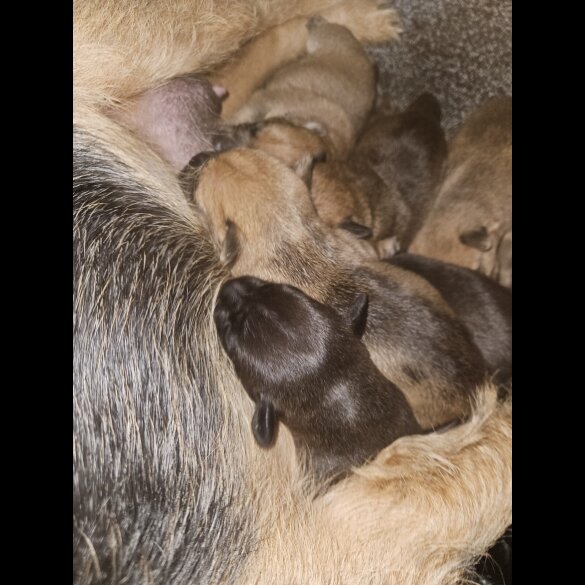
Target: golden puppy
<point>332,88</point>
<point>471,221</point>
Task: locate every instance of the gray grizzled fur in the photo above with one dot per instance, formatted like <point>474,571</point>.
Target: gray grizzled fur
<point>145,416</point>
<point>458,50</point>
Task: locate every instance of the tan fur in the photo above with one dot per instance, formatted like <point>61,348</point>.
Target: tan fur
<point>286,141</point>
<point>447,495</point>
<point>427,506</point>
<point>332,86</point>
<point>369,20</point>
<point>339,191</point>
<point>476,192</point>
<point>281,239</point>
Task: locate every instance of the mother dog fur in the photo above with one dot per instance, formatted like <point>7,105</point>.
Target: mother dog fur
<point>168,484</point>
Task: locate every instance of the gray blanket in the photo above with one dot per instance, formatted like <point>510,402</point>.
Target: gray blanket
<point>459,50</point>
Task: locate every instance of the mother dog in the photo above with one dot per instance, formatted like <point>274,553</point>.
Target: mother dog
<point>169,486</point>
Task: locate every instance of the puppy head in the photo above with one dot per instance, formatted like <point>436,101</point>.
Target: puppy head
<point>287,348</point>
<point>286,141</point>
<point>253,199</point>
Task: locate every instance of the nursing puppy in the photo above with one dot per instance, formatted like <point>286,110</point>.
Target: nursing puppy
<point>265,225</point>
<point>383,191</point>
<point>407,150</point>
<point>370,21</point>
<point>331,88</point>
<point>303,363</point>
<point>471,221</point>
<point>483,305</point>
<point>347,194</point>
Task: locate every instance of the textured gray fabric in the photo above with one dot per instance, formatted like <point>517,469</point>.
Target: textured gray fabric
<point>459,50</point>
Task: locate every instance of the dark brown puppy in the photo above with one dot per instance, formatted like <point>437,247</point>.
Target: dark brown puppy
<point>483,305</point>
<point>407,150</point>
<point>303,363</point>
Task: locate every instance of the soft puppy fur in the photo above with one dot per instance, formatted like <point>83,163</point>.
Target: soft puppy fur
<point>303,363</point>
<point>265,225</point>
<point>332,88</point>
<point>483,305</point>
<point>471,221</point>
<point>407,150</point>
<point>385,188</point>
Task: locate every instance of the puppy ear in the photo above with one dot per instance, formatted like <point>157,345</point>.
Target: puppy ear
<point>264,424</point>
<point>362,232</point>
<point>304,169</point>
<point>189,175</point>
<point>477,238</point>
<point>231,245</point>
<point>357,314</point>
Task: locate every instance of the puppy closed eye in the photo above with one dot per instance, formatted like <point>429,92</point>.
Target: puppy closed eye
<point>360,231</point>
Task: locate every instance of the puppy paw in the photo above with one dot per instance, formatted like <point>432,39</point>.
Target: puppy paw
<point>370,21</point>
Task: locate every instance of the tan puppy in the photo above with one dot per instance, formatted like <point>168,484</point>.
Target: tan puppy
<point>265,225</point>
<point>332,88</point>
<point>370,21</point>
<point>353,197</point>
<point>384,190</point>
<point>471,222</point>
<point>346,194</point>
